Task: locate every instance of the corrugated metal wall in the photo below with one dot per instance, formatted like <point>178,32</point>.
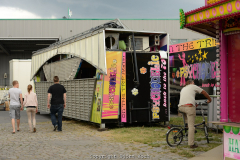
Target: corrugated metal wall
<point>68,28</point>
<point>79,97</point>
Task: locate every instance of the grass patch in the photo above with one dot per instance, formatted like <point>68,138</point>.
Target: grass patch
<point>156,137</point>
<point>145,135</point>
<point>179,120</point>
<point>186,153</point>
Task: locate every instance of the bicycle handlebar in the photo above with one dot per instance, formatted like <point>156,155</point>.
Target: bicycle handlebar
<point>200,103</point>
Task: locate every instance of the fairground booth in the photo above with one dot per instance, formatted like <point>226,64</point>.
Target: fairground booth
<point>220,19</point>
<point>196,61</point>
<point>112,75</point>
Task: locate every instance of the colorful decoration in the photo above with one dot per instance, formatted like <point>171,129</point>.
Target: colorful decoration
<point>231,143</point>
<point>143,70</point>
<point>199,64</point>
<point>182,19</point>
<point>235,130</point>
<point>231,24</point>
<point>123,91</point>
<point>97,101</point>
<point>219,10</point>
<point>135,91</point>
<point>212,1</point>
<point>155,84</point>
<point>227,129</point>
<point>199,44</point>
<point>111,92</point>
<point>229,7</point>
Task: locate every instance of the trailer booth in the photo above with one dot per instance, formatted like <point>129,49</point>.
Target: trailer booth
<point>112,74</point>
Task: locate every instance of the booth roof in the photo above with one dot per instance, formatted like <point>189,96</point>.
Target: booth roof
<point>203,19</point>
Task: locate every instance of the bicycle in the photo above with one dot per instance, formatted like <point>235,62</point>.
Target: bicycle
<point>175,134</point>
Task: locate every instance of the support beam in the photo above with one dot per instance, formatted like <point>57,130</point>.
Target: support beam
<point>213,30</point>
<point>203,31</point>
<point>5,50</point>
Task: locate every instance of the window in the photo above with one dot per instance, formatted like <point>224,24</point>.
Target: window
<point>176,41</point>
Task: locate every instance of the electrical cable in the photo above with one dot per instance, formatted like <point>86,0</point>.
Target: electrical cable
<point>133,68</point>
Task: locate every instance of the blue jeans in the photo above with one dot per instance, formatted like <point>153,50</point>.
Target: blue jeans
<point>59,110</point>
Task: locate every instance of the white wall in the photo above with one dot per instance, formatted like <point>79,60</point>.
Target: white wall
<point>20,70</point>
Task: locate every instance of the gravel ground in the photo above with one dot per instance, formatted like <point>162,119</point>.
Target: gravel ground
<point>76,141</point>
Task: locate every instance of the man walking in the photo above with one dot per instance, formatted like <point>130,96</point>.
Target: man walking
<point>15,94</point>
<point>58,102</point>
<point>187,105</point>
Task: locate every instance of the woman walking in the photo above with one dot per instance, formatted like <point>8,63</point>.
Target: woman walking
<point>31,103</point>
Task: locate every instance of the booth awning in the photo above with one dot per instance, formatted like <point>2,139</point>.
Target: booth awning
<point>203,19</point>
<point>90,49</point>
<point>88,45</point>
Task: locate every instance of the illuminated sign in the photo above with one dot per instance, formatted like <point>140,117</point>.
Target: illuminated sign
<point>199,44</point>
<point>212,1</point>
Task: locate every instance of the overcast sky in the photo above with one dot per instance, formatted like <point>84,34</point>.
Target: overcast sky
<point>104,9</point>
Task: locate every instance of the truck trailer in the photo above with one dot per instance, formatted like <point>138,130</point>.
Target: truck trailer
<point>112,74</point>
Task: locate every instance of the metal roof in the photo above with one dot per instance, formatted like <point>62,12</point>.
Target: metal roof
<point>26,45</point>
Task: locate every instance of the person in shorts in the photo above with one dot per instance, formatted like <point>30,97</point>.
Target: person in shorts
<point>58,102</point>
<point>15,104</point>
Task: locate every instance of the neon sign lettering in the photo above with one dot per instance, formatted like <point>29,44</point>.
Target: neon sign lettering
<point>199,71</point>
<point>112,83</point>
<point>155,84</point>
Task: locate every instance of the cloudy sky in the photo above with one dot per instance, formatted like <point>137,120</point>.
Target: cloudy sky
<point>104,9</point>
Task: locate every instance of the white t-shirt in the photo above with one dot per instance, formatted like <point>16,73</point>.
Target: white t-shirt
<point>14,96</point>
<point>188,93</point>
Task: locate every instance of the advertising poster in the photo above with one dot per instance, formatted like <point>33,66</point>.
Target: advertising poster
<point>97,100</point>
<point>194,60</point>
<point>231,142</point>
<point>149,99</point>
<point>123,90</point>
<point>111,92</point>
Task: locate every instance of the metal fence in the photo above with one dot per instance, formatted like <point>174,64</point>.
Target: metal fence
<point>80,94</point>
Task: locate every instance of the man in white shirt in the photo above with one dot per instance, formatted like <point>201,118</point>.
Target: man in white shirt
<point>188,106</point>
<point>15,94</point>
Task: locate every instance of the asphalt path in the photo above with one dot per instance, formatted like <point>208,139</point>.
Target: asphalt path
<point>5,118</point>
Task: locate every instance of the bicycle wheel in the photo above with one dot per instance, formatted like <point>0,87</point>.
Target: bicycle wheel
<point>206,133</point>
<point>174,137</point>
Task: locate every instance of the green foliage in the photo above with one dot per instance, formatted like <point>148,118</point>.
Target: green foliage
<point>182,18</point>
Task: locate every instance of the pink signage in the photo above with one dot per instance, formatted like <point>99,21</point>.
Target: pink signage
<point>231,142</point>
<point>123,90</point>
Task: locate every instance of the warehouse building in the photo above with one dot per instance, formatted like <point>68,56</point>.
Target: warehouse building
<point>19,38</point>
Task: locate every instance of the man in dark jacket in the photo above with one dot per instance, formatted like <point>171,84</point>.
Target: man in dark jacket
<point>58,102</point>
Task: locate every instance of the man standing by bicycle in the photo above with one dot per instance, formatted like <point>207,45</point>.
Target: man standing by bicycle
<point>188,107</point>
